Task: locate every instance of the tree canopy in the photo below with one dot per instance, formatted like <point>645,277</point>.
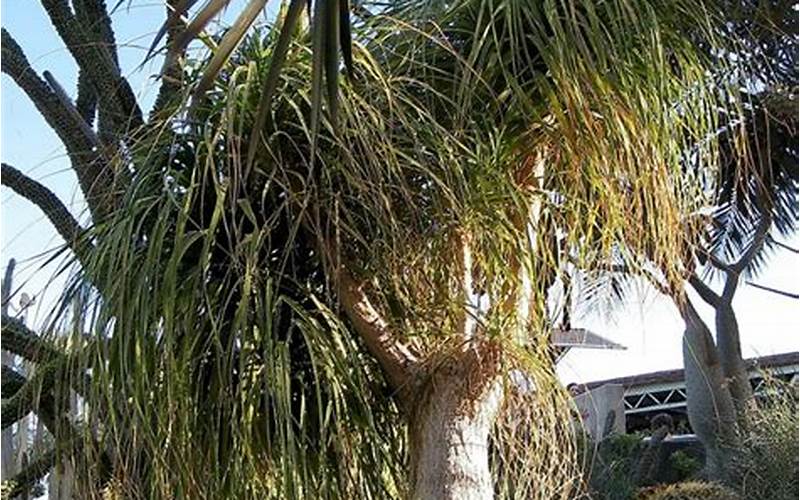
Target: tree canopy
<point>274,287</point>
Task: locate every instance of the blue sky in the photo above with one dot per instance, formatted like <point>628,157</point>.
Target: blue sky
<point>649,326</point>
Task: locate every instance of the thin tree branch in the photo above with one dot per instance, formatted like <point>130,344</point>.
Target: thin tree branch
<point>774,290</point>
<point>20,340</point>
<point>731,284</point>
<point>56,212</point>
<point>396,360</point>
<point>15,383</point>
<point>731,279</point>
<point>32,395</point>
<point>733,271</point>
<point>704,291</point>
<point>15,64</point>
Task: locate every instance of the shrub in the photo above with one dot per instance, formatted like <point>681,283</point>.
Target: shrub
<point>691,490</point>
<point>768,463</point>
<point>611,466</point>
<point>684,465</point>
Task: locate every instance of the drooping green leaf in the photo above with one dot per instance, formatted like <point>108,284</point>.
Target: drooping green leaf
<point>279,54</point>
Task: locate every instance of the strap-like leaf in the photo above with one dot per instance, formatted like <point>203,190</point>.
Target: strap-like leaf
<point>317,59</point>
<point>332,58</point>
<point>271,81</point>
<point>345,37</point>
<point>228,43</point>
<point>199,23</point>
<point>179,11</point>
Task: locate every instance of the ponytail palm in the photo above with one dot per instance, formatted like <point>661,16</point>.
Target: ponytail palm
<point>290,304</point>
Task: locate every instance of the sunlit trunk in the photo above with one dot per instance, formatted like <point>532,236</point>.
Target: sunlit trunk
<point>708,401</point>
<point>450,426</point>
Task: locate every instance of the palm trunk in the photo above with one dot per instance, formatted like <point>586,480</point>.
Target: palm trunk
<point>708,401</point>
<point>450,427</point>
<point>733,367</point>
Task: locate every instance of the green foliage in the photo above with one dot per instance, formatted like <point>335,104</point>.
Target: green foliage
<point>692,490</point>
<point>611,466</point>
<point>685,465</point>
<point>768,462</point>
<point>224,367</point>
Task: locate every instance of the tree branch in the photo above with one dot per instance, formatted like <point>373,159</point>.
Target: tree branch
<point>56,212</point>
<point>94,15</point>
<point>733,271</point>
<point>15,64</point>
<point>19,405</point>
<point>20,340</point>
<point>86,102</point>
<point>171,77</point>
<point>32,395</point>
<point>19,387</point>
<point>113,91</point>
<point>90,167</point>
<point>11,383</point>
<point>72,111</point>
<point>38,394</point>
<point>60,427</point>
<point>395,359</point>
<point>704,291</point>
<point>30,475</point>
<point>722,266</point>
<point>466,316</point>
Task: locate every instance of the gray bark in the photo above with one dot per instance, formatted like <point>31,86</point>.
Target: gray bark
<point>709,403</point>
<point>450,427</point>
<point>8,468</point>
<point>733,366</point>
